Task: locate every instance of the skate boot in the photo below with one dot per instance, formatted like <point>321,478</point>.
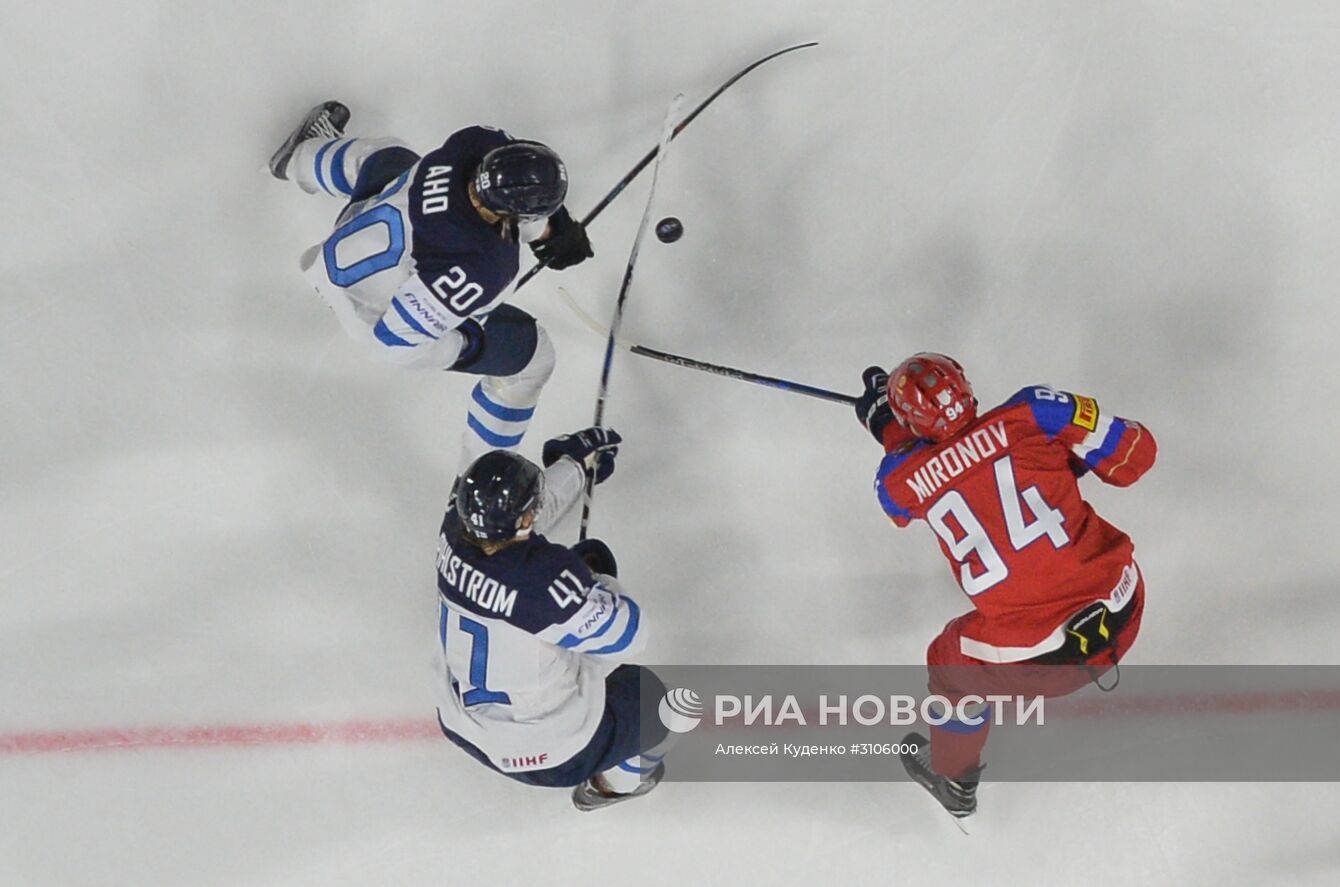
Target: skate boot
<point>327,120</point>
<point>589,796</point>
<point>957,796</point>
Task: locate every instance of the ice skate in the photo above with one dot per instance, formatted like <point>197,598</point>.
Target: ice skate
<point>327,120</point>
<point>588,796</point>
<point>957,796</point>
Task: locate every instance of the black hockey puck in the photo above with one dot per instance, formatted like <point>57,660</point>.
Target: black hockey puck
<point>669,229</point>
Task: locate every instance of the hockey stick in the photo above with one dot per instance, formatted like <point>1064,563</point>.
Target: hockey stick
<point>714,368</point>
<point>744,375</point>
<point>667,133</point>
<point>654,152</point>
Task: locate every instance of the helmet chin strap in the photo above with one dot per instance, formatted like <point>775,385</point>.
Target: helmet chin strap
<point>485,213</point>
<point>525,525</point>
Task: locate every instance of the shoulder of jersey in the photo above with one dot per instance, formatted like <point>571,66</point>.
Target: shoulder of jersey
<point>897,458</point>
<point>440,214</point>
<point>544,575</point>
<point>534,561</point>
<point>476,140</point>
<point>1053,409</point>
<point>908,457</point>
<point>545,557</point>
<point>553,574</point>
<point>461,152</point>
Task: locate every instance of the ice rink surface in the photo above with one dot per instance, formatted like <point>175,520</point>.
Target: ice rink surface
<point>219,512</point>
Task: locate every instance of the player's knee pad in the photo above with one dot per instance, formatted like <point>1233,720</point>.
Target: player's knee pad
<point>538,369</point>
<point>517,356</point>
<point>382,166</point>
<point>516,360</point>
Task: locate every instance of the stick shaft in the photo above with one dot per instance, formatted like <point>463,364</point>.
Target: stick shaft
<point>702,365</point>
<point>743,375</point>
<point>654,152</point>
<point>667,133</point>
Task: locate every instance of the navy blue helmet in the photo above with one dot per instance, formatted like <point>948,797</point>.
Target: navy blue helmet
<point>494,494</point>
<point>522,179</point>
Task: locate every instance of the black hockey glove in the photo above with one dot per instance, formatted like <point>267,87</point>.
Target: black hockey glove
<point>567,243</point>
<point>872,407</point>
<point>592,448</point>
<point>597,557</point>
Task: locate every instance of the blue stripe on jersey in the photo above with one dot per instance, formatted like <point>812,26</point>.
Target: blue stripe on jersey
<point>1109,444</point>
<point>898,457</point>
<point>497,410</point>
<point>1051,415</point>
<point>386,337</point>
<point>886,502</point>
<point>442,623</point>
<point>321,155</point>
<point>409,318</point>
<point>886,467</point>
<point>492,438</point>
<point>337,177</point>
<point>634,614</point>
<point>395,186</point>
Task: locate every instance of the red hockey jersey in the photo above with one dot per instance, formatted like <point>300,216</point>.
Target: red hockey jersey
<point>1003,499</point>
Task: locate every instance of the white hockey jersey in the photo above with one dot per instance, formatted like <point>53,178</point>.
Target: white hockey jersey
<point>526,637</point>
<point>404,269</point>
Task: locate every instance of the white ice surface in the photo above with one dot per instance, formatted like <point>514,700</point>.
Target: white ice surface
<point>216,510</point>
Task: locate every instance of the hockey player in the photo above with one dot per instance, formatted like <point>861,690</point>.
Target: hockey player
<point>532,633</point>
<point>421,257</point>
<point>1056,593</point>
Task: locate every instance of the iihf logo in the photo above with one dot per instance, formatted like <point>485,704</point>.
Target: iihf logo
<point>681,710</point>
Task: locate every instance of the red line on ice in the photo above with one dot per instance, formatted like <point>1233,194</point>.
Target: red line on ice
<point>226,735</point>
<point>1258,702</point>
<point>419,729</point>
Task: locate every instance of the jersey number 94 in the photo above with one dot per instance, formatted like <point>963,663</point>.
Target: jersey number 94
<point>1047,521</point>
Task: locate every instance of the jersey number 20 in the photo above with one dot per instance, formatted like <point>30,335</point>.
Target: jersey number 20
<point>1047,521</point>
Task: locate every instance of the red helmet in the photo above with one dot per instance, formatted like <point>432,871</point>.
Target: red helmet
<point>931,396</point>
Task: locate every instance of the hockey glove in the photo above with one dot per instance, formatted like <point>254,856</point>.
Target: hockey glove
<point>567,243</point>
<point>593,449</point>
<point>597,557</point>
<point>473,348</point>
<point>872,407</point>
